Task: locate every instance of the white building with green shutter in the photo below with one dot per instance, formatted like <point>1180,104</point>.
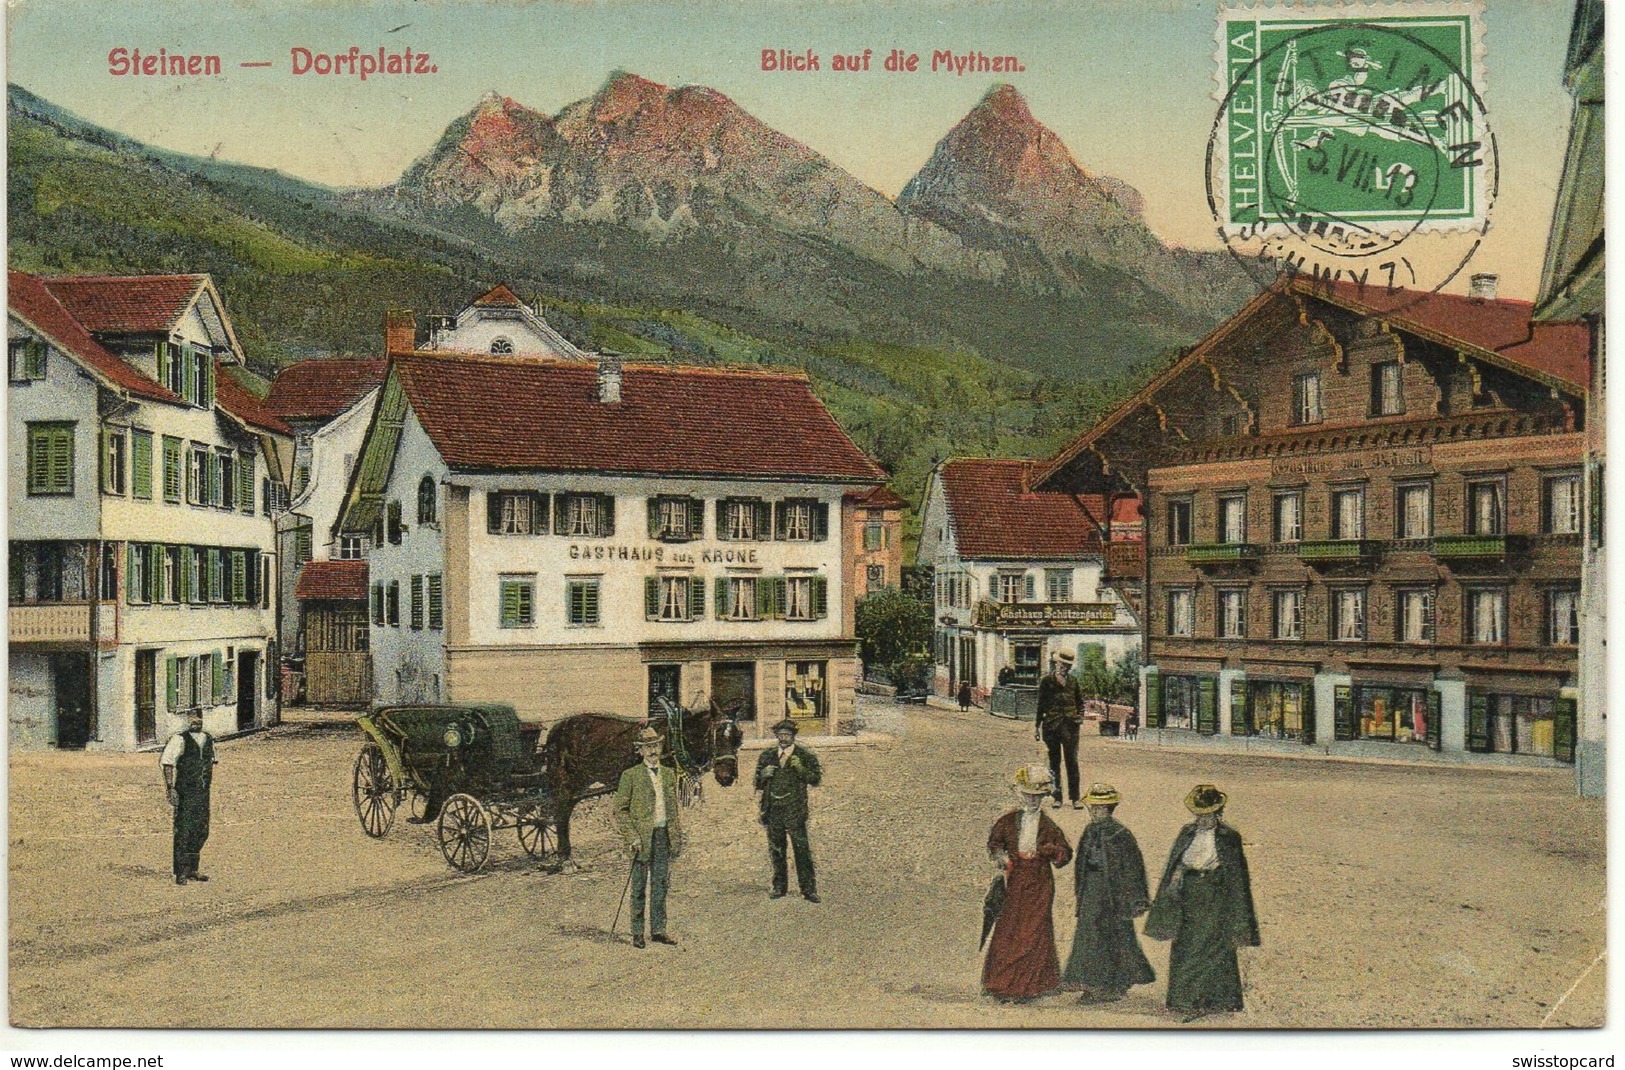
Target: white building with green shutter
<point>572,537</point>
<point>140,541</point>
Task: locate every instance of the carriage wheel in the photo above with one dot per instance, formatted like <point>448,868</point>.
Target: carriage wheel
<point>373,793</point>
<point>465,833</point>
<point>540,839</point>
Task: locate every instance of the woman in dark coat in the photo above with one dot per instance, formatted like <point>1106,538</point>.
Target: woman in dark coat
<point>1021,961</point>
<point>1109,874</point>
<point>1205,906</point>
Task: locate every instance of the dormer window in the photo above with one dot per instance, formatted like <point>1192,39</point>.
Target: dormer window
<point>501,347</point>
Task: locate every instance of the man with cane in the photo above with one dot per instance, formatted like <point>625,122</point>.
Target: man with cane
<point>650,821</point>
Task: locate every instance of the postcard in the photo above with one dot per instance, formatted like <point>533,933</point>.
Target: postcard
<point>628,515</point>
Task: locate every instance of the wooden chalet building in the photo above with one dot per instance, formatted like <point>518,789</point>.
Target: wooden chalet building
<point>1364,519</point>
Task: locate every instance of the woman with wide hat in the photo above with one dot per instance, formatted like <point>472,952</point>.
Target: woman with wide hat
<point>1106,959</point>
<point>1205,906</point>
<point>1021,961</point>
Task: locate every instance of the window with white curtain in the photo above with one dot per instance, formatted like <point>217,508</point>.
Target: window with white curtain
<point>1348,615</point>
<point>1289,516</point>
<point>1181,612</point>
<point>1348,513</point>
<point>1486,507</point>
<point>1289,614</point>
<point>1416,616</point>
<point>1562,506</point>
<point>1233,518</point>
<point>1486,616</point>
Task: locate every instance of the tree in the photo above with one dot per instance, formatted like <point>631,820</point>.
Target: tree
<point>892,626</point>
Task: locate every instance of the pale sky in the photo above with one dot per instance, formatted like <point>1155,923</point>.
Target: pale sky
<point>1127,84</point>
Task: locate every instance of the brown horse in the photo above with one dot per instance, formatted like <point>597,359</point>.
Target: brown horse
<point>585,755</point>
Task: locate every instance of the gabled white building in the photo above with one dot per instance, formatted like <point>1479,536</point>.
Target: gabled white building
<point>330,403</point>
<point>142,561</point>
<point>571,537</point>
<point>1022,575</point>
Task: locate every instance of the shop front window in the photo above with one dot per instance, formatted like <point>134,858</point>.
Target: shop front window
<point>804,691</point>
<point>1028,658</point>
<point>1179,702</point>
<point>1511,724</point>
<point>1392,713</point>
<point>1276,709</point>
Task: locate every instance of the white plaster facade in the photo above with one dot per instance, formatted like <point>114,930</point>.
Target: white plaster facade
<point>99,570</point>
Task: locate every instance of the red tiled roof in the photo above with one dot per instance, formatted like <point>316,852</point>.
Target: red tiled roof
<point>499,296</point>
<point>236,399</point>
<point>134,304</point>
<point>332,581</point>
<point>321,389</point>
<point>1560,351</point>
<point>994,514</point>
<point>881,497</point>
<point>28,297</point>
<point>507,413</point>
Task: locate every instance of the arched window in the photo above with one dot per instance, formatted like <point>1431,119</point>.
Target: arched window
<point>426,500</point>
<point>501,346</point>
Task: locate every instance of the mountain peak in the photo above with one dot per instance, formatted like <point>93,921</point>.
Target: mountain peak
<point>1005,102</point>
<point>624,92</point>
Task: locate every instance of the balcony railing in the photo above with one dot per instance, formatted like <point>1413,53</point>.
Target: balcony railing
<point>50,622</point>
<point>1220,553</point>
<point>1336,551</point>
<point>1474,547</point>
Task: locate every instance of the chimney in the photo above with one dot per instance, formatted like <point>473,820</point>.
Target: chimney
<point>609,380</point>
<point>1483,286</point>
<point>400,331</point>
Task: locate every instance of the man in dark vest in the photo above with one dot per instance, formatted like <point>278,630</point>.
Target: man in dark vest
<point>783,775</point>
<point>1060,712</point>
<point>188,764</point>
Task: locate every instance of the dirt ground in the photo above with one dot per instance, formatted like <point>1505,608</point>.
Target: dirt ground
<point>1388,896</point>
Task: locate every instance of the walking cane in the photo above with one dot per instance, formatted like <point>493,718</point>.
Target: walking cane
<point>616,924</point>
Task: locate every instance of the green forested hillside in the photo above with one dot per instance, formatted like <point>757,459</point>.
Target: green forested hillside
<point>307,274</point>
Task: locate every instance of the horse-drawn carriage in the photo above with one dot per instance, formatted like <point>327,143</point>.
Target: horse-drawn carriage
<point>476,769</point>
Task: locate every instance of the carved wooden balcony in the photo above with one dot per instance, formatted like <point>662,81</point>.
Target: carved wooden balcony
<point>1221,555</point>
<point>1334,553</point>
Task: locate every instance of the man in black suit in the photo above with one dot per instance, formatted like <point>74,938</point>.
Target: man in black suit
<point>783,775</point>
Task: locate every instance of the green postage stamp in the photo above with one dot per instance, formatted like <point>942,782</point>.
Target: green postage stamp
<point>1360,123</point>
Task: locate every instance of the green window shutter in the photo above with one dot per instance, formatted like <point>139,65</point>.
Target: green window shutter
<point>219,678</point>
<point>170,682</point>
<point>527,603</point>
<point>245,482</point>
<point>651,598</point>
<point>39,461</point>
<point>1478,723</point>
<point>779,596</point>
<point>561,514</point>
<point>780,520</point>
<point>719,605</point>
<point>172,469</point>
<point>1565,719</point>
<point>764,597</point>
<point>62,461</point>
<point>1240,722</point>
<point>156,588</point>
<point>510,605</point>
<point>188,375</point>
<point>1153,700</point>
<point>696,518</point>
<point>163,362</point>
<point>722,518</point>
<point>696,598</point>
<point>217,586</point>
<point>239,576</point>
<point>378,603</point>
<point>132,587</point>
<point>606,514</point>
<point>436,605</point>
<point>493,512</point>
<point>141,463</point>
<point>654,518</point>
<point>1343,726</point>
<point>1207,705</point>
<point>212,466</point>
<point>1431,733</point>
<point>764,520</point>
<point>108,460</point>
<point>541,513</point>
<point>820,597</point>
<point>1308,714</point>
<point>820,521</point>
<point>208,381</point>
<point>415,618</point>
<point>184,580</point>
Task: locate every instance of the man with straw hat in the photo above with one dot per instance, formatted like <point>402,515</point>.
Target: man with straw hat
<point>1205,906</point>
<point>1106,959</point>
<point>650,822</point>
<point>1060,713</point>
<point>1021,961</point>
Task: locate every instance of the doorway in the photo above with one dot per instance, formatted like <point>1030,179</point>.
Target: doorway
<point>733,683</point>
<point>664,683</point>
<point>70,679</point>
<point>146,696</point>
<point>248,663</point>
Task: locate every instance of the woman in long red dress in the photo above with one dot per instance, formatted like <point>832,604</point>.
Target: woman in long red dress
<point>1021,961</point>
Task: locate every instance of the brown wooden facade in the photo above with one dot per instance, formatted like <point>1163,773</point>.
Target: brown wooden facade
<point>1359,535</point>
